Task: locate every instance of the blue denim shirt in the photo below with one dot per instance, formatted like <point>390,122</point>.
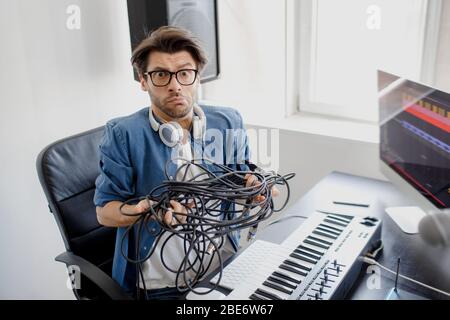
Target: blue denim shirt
<point>132,163</point>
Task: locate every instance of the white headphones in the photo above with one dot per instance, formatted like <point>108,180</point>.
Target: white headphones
<point>171,133</point>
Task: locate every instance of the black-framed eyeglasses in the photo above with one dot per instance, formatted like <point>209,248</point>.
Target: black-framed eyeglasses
<point>161,78</point>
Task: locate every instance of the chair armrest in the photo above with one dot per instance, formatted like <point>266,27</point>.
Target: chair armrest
<point>95,274</point>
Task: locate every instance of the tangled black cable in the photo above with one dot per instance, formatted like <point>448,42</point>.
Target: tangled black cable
<point>208,200</point>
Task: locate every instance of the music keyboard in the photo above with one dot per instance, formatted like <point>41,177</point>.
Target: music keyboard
<point>319,260</point>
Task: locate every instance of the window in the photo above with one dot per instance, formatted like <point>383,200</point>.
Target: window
<point>343,43</point>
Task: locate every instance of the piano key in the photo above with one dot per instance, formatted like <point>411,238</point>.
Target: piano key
<point>323,234</point>
<point>254,296</point>
<point>302,258</point>
<point>340,215</point>
<point>267,294</point>
<point>291,274</point>
<point>307,254</point>
<point>284,276</point>
<point>314,243</point>
<point>333,216</point>
<point>328,243</point>
<point>297,265</point>
<point>277,287</point>
<point>335,222</point>
<point>292,269</point>
<point>302,262</point>
<point>309,249</point>
<point>323,225</point>
<point>328,231</point>
<point>281,282</point>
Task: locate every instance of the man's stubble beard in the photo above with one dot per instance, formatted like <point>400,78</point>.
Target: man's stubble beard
<point>175,113</point>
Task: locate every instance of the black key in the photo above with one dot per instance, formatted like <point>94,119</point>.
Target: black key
<point>298,251</point>
<point>282,282</point>
<point>320,240</point>
<point>277,287</point>
<point>339,218</point>
<point>343,216</point>
<point>285,277</point>
<point>335,222</point>
<point>302,247</point>
<point>266,294</point>
<point>323,234</point>
<point>297,265</point>
<point>313,243</point>
<point>330,227</point>
<point>299,257</point>
<point>256,297</point>
<point>291,269</point>
<point>334,233</point>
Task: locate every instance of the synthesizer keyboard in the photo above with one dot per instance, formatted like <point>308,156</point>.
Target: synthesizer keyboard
<point>319,260</point>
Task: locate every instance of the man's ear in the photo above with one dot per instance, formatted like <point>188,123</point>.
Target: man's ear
<point>143,83</point>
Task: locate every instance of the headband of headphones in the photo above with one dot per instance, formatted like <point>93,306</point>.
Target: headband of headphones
<point>171,133</point>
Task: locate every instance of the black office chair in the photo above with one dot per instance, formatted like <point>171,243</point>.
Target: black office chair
<point>67,171</point>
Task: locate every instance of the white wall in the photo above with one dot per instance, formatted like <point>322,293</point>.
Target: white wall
<point>54,82</point>
<point>252,57</point>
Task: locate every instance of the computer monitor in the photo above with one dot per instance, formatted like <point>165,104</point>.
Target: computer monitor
<point>415,146</point>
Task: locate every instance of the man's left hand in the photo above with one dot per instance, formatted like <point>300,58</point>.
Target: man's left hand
<point>252,180</point>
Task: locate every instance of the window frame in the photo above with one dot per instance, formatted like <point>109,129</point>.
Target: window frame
<point>301,30</point>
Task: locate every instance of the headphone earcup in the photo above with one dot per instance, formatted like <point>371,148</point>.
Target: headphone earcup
<point>171,133</point>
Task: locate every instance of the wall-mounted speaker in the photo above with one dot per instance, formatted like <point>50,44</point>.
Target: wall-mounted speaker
<point>198,16</point>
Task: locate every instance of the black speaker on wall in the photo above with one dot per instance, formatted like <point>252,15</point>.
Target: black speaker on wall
<point>198,16</point>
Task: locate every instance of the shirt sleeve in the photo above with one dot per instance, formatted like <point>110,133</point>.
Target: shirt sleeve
<point>115,182</point>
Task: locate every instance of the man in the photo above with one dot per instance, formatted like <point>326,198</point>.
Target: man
<point>135,149</point>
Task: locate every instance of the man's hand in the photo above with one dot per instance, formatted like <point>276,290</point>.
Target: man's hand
<point>177,213</point>
<point>251,180</point>
<point>116,214</point>
<point>132,212</point>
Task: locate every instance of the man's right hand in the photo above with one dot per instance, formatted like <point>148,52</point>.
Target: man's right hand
<point>132,212</point>
<point>136,209</point>
<point>112,216</point>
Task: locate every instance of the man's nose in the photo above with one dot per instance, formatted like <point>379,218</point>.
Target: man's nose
<point>174,85</point>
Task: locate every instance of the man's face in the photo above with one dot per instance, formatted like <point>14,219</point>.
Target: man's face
<point>174,100</point>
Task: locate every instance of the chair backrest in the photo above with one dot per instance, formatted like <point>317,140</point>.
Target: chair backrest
<point>67,170</point>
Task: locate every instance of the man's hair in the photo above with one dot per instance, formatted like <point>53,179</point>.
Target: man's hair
<point>168,39</point>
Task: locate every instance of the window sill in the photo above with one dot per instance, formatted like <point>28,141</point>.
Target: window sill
<point>326,126</point>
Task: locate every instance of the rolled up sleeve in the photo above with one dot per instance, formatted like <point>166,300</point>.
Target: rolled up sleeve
<point>115,182</point>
